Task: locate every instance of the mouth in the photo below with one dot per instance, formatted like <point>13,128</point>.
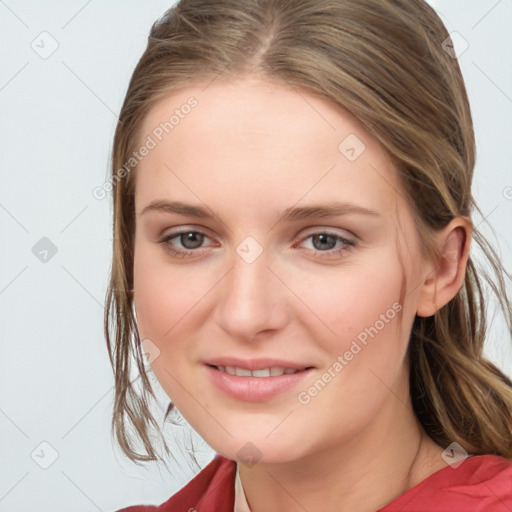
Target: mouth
<point>265,382</point>
<point>273,371</point>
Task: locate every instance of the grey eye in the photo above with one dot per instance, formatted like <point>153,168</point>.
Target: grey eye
<point>191,239</point>
<point>324,241</point>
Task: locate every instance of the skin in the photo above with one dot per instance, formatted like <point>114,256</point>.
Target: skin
<point>247,151</point>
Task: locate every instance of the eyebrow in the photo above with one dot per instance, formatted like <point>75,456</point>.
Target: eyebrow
<point>329,209</point>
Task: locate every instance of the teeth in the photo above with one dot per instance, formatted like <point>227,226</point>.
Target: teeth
<point>261,373</point>
<point>267,372</point>
<point>241,372</point>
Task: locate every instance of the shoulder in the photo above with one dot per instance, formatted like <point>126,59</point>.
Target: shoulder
<point>481,483</point>
<point>212,488</point>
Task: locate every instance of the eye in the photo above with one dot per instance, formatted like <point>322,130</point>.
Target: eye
<point>184,243</point>
<point>191,239</point>
<point>325,243</point>
<point>321,244</point>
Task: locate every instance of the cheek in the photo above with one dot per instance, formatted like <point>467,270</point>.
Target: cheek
<point>163,293</point>
<point>158,306</point>
<point>161,308</point>
<point>345,301</point>
<point>364,359</point>
<point>171,303</point>
<point>363,327</point>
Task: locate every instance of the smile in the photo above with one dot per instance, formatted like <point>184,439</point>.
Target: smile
<point>265,372</point>
<point>256,385</point>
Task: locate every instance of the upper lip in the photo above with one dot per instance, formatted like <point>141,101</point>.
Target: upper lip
<point>257,364</point>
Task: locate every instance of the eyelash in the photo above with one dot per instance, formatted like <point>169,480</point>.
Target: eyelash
<point>347,244</point>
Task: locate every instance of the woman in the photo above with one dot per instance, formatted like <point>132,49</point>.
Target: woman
<point>292,234</point>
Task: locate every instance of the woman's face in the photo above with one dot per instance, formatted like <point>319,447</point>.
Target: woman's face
<point>288,242</point>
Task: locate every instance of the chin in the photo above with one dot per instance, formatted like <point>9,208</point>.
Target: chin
<point>266,451</point>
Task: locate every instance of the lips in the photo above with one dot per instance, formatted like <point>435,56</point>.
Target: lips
<point>274,371</point>
<point>257,364</point>
<point>256,380</point>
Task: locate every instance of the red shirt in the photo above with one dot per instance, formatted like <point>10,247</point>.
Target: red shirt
<point>481,483</point>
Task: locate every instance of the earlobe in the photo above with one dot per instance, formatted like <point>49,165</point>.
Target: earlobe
<point>447,277</point>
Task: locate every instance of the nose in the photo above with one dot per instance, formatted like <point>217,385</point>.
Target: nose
<point>252,300</point>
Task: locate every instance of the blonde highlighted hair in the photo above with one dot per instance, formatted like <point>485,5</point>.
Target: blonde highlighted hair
<point>383,61</point>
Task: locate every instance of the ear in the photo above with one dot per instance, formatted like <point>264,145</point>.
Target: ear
<point>449,269</point>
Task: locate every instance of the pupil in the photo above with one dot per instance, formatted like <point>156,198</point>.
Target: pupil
<point>324,239</point>
<point>192,240</point>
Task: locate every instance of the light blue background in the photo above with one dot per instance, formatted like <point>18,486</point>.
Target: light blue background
<point>57,121</point>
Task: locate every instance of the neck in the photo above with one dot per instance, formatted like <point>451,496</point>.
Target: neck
<point>389,456</point>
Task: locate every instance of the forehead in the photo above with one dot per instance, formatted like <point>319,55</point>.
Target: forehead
<point>251,143</point>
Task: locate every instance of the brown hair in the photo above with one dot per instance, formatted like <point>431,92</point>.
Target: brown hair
<point>385,62</point>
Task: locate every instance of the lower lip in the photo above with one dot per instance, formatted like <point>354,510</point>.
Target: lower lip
<point>255,389</point>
